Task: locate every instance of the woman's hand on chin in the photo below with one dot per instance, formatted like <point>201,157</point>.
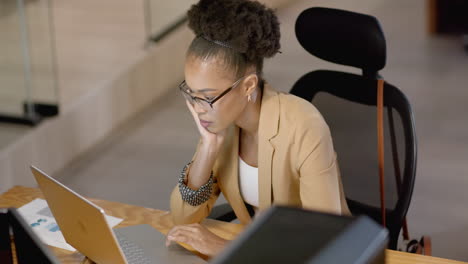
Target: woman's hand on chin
<point>211,141</point>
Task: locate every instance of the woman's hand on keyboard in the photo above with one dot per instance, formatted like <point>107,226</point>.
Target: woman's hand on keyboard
<point>198,237</point>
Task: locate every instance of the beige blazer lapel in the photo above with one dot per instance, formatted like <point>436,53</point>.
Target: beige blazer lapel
<point>229,162</point>
<point>267,130</point>
<point>229,175</point>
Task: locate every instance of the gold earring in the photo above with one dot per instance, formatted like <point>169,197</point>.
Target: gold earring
<point>249,98</point>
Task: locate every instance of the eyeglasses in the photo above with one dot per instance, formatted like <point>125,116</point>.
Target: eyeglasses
<point>208,102</point>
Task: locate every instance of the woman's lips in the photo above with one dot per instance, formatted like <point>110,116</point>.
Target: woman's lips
<point>205,124</point>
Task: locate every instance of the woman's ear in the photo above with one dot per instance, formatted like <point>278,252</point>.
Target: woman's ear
<point>251,83</point>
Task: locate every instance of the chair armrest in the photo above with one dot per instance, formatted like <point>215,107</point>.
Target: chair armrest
<point>222,212</point>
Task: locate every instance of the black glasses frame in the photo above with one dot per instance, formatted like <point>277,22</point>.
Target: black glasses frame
<point>210,102</point>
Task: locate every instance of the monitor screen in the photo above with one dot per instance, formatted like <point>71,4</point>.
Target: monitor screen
<point>28,247</point>
<point>5,241</point>
<point>293,235</point>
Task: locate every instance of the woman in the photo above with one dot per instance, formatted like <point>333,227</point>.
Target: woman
<point>258,147</point>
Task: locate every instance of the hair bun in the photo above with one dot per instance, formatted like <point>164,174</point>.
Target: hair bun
<point>248,26</point>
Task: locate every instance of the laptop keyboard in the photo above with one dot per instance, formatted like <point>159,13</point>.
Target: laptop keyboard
<point>133,253</point>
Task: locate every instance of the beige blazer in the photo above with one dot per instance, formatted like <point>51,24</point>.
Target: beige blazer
<point>297,165</point>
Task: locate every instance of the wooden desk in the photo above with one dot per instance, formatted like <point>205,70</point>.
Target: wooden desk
<point>161,220</point>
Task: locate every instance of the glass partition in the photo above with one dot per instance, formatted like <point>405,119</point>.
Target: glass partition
<point>28,87</point>
<point>162,16</point>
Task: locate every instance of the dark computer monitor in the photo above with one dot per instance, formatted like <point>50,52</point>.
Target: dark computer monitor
<point>28,246</point>
<point>293,235</point>
<point>5,242</point>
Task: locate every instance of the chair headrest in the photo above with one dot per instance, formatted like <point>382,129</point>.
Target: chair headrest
<point>342,37</point>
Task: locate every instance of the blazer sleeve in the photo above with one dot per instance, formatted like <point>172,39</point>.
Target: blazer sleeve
<point>184,213</point>
<point>319,182</point>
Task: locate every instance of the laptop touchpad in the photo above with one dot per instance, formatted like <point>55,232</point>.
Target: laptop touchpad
<point>153,244</point>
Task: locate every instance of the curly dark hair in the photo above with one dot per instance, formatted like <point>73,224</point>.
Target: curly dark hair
<point>249,29</point>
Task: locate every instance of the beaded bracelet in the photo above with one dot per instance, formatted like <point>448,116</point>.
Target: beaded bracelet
<point>194,197</point>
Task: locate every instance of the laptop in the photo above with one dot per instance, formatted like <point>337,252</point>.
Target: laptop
<point>294,235</point>
<point>85,227</point>
<point>28,247</point>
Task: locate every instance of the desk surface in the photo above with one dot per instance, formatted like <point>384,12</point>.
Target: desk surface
<point>161,220</point>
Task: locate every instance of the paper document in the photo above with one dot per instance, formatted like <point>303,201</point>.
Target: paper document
<point>38,215</point>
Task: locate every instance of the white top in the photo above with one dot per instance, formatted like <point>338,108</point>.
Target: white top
<point>248,183</point>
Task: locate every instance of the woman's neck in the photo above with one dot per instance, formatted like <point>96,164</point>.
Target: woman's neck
<point>250,117</point>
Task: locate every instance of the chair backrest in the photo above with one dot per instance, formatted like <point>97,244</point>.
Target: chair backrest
<point>343,37</point>
<point>348,103</point>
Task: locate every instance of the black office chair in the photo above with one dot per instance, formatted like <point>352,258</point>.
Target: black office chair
<point>348,103</point>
